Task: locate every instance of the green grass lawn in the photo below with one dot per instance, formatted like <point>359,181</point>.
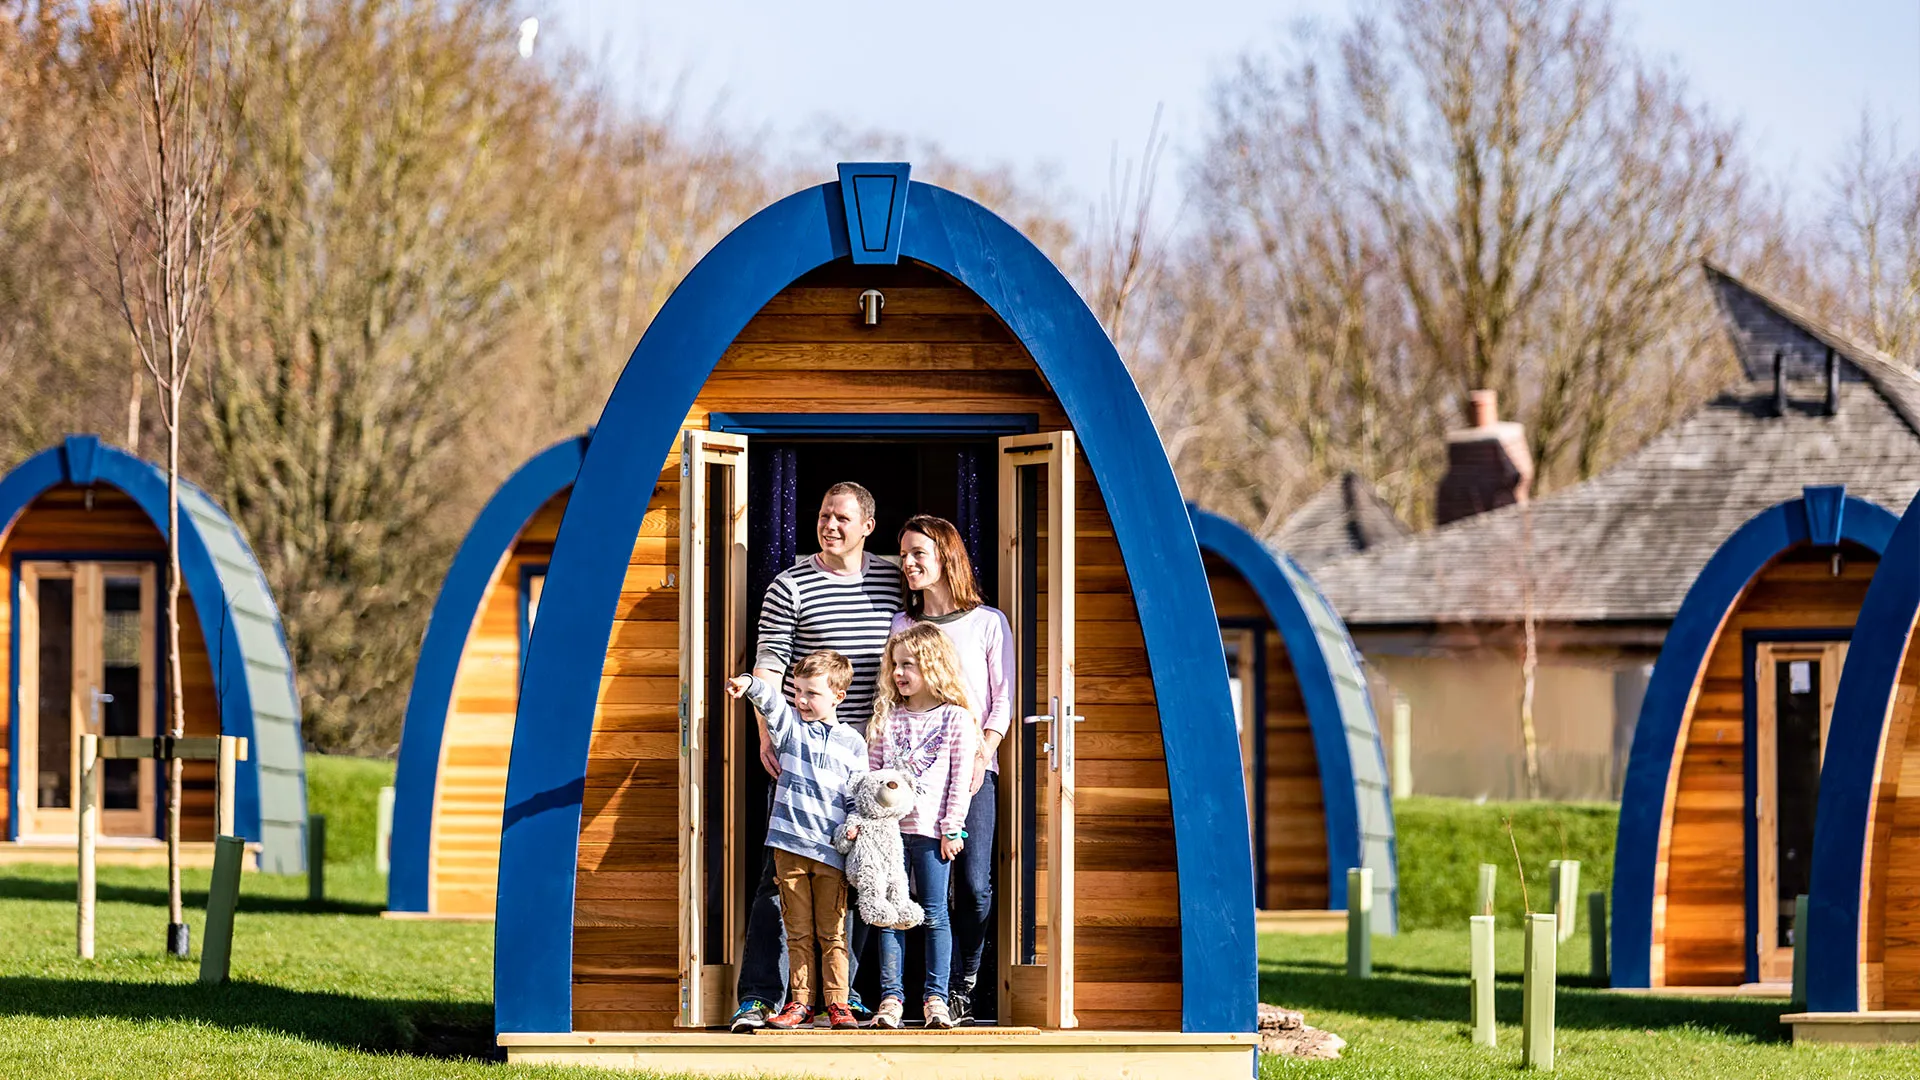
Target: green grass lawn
<point>339,991</point>
<point>1410,1019</point>
<point>336,991</point>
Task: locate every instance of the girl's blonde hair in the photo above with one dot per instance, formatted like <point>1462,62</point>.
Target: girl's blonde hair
<point>939,669</point>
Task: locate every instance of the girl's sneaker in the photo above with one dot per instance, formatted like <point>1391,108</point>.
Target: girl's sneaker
<point>840,1018</point>
<point>795,1015</point>
<point>888,1014</point>
<point>935,1010</point>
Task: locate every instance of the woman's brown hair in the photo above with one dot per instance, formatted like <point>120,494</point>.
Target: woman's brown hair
<point>956,569</point>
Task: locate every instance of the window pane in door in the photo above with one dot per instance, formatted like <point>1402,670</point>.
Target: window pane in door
<point>55,597</point>
<point>1797,783</point>
<point>120,701</point>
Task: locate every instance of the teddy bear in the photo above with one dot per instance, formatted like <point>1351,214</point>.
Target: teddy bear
<point>876,859</point>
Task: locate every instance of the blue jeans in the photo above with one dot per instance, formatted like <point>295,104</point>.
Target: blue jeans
<point>927,878</point>
<point>973,883</point>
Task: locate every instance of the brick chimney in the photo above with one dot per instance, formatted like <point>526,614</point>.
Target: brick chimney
<point>1488,464</point>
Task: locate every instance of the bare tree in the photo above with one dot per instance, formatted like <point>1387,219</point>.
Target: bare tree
<point>169,217</point>
<point>1873,223</point>
<point>1437,198</point>
<point>61,350</point>
<point>454,250</point>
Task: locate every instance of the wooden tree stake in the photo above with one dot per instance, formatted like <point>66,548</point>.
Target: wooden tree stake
<point>216,951</point>
<point>1483,897</point>
<point>1360,923</point>
<point>1482,943</point>
<point>233,748</point>
<point>1563,882</point>
<point>89,836</point>
<point>383,837</point>
<point>1536,1018</point>
<point>1597,936</point>
<point>316,859</point>
<point>1800,951</point>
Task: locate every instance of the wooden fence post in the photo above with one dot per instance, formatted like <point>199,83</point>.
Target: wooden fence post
<point>316,858</point>
<point>216,950</point>
<point>1597,936</point>
<point>1483,896</point>
<point>89,838</point>
<point>1800,951</point>
<point>1482,943</point>
<point>1536,1017</point>
<point>1360,922</point>
<point>383,834</point>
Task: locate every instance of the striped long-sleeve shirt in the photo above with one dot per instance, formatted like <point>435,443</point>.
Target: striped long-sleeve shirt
<point>807,608</point>
<point>816,760</point>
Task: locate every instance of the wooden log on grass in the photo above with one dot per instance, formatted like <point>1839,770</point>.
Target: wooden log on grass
<point>223,896</point>
<point>89,828</point>
<point>1536,1017</point>
<point>1481,941</point>
<point>1360,923</point>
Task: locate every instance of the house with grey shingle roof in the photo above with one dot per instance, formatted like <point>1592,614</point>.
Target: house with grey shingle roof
<point>1605,564</point>
<point>1344,518</point>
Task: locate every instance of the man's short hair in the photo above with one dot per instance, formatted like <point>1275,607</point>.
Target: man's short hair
<point>860,495</point>
<point>838,669</point>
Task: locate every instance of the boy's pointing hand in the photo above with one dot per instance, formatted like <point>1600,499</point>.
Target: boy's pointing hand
<point>737,686</point>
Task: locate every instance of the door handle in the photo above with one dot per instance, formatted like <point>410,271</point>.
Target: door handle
<point>1056,737</point>
<point>99,699</point>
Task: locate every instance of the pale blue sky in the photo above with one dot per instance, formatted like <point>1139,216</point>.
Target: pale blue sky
<point>1054,86</point>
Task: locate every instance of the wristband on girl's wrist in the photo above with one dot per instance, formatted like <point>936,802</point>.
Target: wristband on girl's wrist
<point>961,835</point>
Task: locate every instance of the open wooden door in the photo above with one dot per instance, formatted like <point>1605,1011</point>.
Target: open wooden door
<point>713,632</point>
<point>1036,507</point>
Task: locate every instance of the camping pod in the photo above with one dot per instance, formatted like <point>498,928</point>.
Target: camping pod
<point>444,854</point>
<point>1863,941</point>
<point>84,558</point>
<point>900,335</point>
<point>1717,816</point>
<point>1309,742</point>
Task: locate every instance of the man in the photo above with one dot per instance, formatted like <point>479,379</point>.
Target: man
<point>842,599</point>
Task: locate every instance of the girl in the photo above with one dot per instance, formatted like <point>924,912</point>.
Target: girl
<point>943,594</point>
<point>921,726</point>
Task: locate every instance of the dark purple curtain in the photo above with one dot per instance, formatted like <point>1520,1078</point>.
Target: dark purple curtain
<point>966,513</point>
<point>773,520</point>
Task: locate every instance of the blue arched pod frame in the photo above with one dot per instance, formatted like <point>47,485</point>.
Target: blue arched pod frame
<point>1823,516</point>
<point>489,541</point>
<point>1333,684</point>
<point>1855,744</point>
<point>539,847</point>
<point>253,672</point>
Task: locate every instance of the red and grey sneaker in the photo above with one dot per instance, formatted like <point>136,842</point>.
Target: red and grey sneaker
<point>841,1018</point>
<point>795,1015</point>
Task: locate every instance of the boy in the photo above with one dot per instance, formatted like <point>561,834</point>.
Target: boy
<point>817,755</point>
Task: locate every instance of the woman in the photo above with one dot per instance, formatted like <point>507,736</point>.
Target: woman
<point>942,591</point>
